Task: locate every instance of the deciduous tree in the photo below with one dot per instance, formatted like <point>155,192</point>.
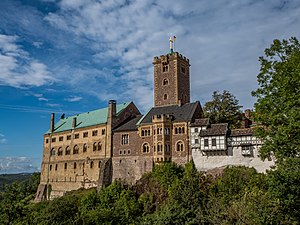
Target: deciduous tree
<point>278,99</point>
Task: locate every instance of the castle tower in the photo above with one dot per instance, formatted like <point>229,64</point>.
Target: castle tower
<point>171,79</point>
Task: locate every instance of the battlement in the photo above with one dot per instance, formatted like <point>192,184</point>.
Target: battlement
<point>168,57</point>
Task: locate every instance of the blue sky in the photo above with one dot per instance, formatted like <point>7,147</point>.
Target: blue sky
<point>72,56</point>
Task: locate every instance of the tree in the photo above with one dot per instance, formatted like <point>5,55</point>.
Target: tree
<point>223,108</point>
<point>277,109</point>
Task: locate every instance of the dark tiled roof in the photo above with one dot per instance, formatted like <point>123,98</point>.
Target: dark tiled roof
<point>179,113</point>
<point>215,129</point>
<point>200,122</point>
<point>129,125</point>
<point>242,132</point>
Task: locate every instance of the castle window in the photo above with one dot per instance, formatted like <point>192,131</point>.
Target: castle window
<point>95,133</point>
<point>99,146</point>
<point>76,136</point>
<point>179,146</point>
<point>128,151</point>
<point>75,149</point>
<point>66,166</point>
<point>60,151</point>
<point>103,131</point>
<point>182,69</point>
<point>47,140</point>
<point>205,142</point>
<point>85,134</point>
<point>95,146</point>
<point>52,152</point>
<point>165,68</point>
<point>120,152</point>
<point>159,130</point>
<point>165,82</point>
<point>165,96</point>
<point>68,137</point>
<point>167,131</point>
<point>196,141</point>
<point>55,166</point>
<point>61,138</point>
<point>214,142</point>
<point>99,164</point>
<point>176,130</point>
<point>75,165</point>
<point>53,139</point>
<point>92,164</point>
<point>196,130</point>
<point>50,167</point>
<point>159,147</point>
<point>146,148</point>
<point>125,139</point>
<point>84,148</point>
<point>68,151</point>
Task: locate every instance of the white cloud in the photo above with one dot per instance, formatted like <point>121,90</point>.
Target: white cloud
<point>2,139</point>
<point>222,39</point>
<point>17,68</point>
<point>73,99</point>
<point>19,164</point>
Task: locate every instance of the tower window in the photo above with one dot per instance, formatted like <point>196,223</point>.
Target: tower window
<point>52,151</point>
<point>165,68</point>
<point>165,96</point>
<point>179,146</point>
<point>182,69</point>
<point>146,148</point>
<point>165,81</point>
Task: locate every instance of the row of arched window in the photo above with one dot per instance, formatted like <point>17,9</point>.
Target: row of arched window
<point>97,146</point>
<point>160,147</point>
<point>179,130</point>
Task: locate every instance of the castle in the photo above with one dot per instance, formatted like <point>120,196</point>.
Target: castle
<point>94,148</point>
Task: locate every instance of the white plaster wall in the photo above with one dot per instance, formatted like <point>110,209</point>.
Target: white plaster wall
<point>234,157</point>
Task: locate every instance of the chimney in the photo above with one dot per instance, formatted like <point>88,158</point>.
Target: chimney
<point>112,108</point>
<point>74,123</point>
<point>52,123</point>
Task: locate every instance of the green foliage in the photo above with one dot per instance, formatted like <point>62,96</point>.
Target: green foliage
<point>278,100</point>
<point>223,108</point>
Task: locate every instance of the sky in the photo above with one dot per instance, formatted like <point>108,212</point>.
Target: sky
<point>72,56</point>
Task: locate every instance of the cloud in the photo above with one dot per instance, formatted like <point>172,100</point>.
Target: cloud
<point>73,99</point>
<point>40,97</point>
<point>17,68</point>
<point>222,48</point>
<point>2,139</point>
<point>19,165</point>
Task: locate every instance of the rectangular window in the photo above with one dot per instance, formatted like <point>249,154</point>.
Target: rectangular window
<point>68,137</point>
<point>213,142</point>
<point>61,138</point>
<point>103,131</point>
<point>85,134</point>
<point>53,139</point>
<point>76,136</point>
<point>95,133</point>
<point>125,139</point>
<point>196,130</point>
<point>196,141</point>
<point>47,140</point>
<point>206,142</point>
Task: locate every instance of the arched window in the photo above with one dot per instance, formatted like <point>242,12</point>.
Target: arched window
<point>60,151</point>
<point>165,81</point>
<point>52,152</point>
<point>179,130</point>
<point>75,165</point>
<point>99,146</point>
<point>92,164</point>
<point>84,148</point>
<point>68,151</point>
<point>176,130</point>
<point>75,149</point>
<point>146,148</point>
<point>95,146</point>
<point>143,133</point>
<point>165,96</point>
<point>179,146</point>
<point>159,147</point>
<point>183,130</point>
